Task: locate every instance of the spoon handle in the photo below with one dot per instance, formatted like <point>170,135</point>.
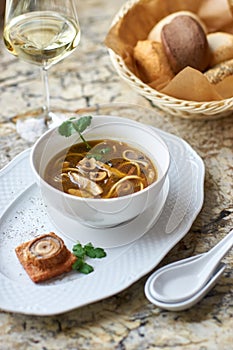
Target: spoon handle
<point>219,250</point>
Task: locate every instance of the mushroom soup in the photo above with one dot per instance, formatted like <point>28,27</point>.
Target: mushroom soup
<point>108,169</point>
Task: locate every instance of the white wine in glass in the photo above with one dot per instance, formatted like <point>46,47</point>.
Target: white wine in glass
<point>41,32</point>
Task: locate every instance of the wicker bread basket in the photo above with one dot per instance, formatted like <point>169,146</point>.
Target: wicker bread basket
<point>181,108</point>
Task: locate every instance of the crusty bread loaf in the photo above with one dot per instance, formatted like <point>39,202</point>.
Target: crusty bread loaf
<point>155,33</point>
<point>221,47</point>
<point>222,70</point>
<point>152,62</point>
<point>185,44</point>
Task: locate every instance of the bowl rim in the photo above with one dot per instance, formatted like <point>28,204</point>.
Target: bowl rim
<point>102,200</point>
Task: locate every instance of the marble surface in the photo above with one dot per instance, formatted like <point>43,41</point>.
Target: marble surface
<point>87,81</point>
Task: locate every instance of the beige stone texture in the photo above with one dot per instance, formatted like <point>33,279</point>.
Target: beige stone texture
<point>126,321</point>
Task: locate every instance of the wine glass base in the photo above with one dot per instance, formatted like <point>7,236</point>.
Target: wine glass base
<point>30,129</point>
<point>32,124</point>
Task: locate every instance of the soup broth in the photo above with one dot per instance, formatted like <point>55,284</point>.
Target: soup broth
<point>108,169</point>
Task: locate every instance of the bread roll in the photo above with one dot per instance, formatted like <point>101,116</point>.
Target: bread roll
<point>185,44</point>
<point>219,72</point>
<point>152,62</point>
<point>155,33</point>
<point>221,47</point>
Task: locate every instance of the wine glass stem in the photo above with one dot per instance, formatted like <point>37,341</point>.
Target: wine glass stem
<point>46,107</point>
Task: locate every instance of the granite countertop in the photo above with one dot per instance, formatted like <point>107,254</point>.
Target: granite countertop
<point>87,81</point>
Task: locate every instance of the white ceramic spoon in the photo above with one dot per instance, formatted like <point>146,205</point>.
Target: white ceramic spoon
<point>184,304</point>
<point>180,282</point>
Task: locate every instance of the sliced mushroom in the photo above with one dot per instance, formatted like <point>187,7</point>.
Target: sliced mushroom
<point>138,157</point>
<point>86,184</point>
<point>97,175</point>
<point>102,166</point>
<point>87,164</point>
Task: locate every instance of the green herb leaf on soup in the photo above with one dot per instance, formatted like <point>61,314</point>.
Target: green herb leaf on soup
<point>81,124</point>
<point>72,125</point>
<point>98,154</point>
<point>66,128</point>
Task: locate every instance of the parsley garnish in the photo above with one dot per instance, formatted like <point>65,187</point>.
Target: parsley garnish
<point>94,253</point>
<point>82,267</point>
<point>87,250</point>
<point>73,125</point>
<point>98,154</point>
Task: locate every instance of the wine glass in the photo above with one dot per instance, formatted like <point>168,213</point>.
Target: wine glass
<point>41,32</point>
